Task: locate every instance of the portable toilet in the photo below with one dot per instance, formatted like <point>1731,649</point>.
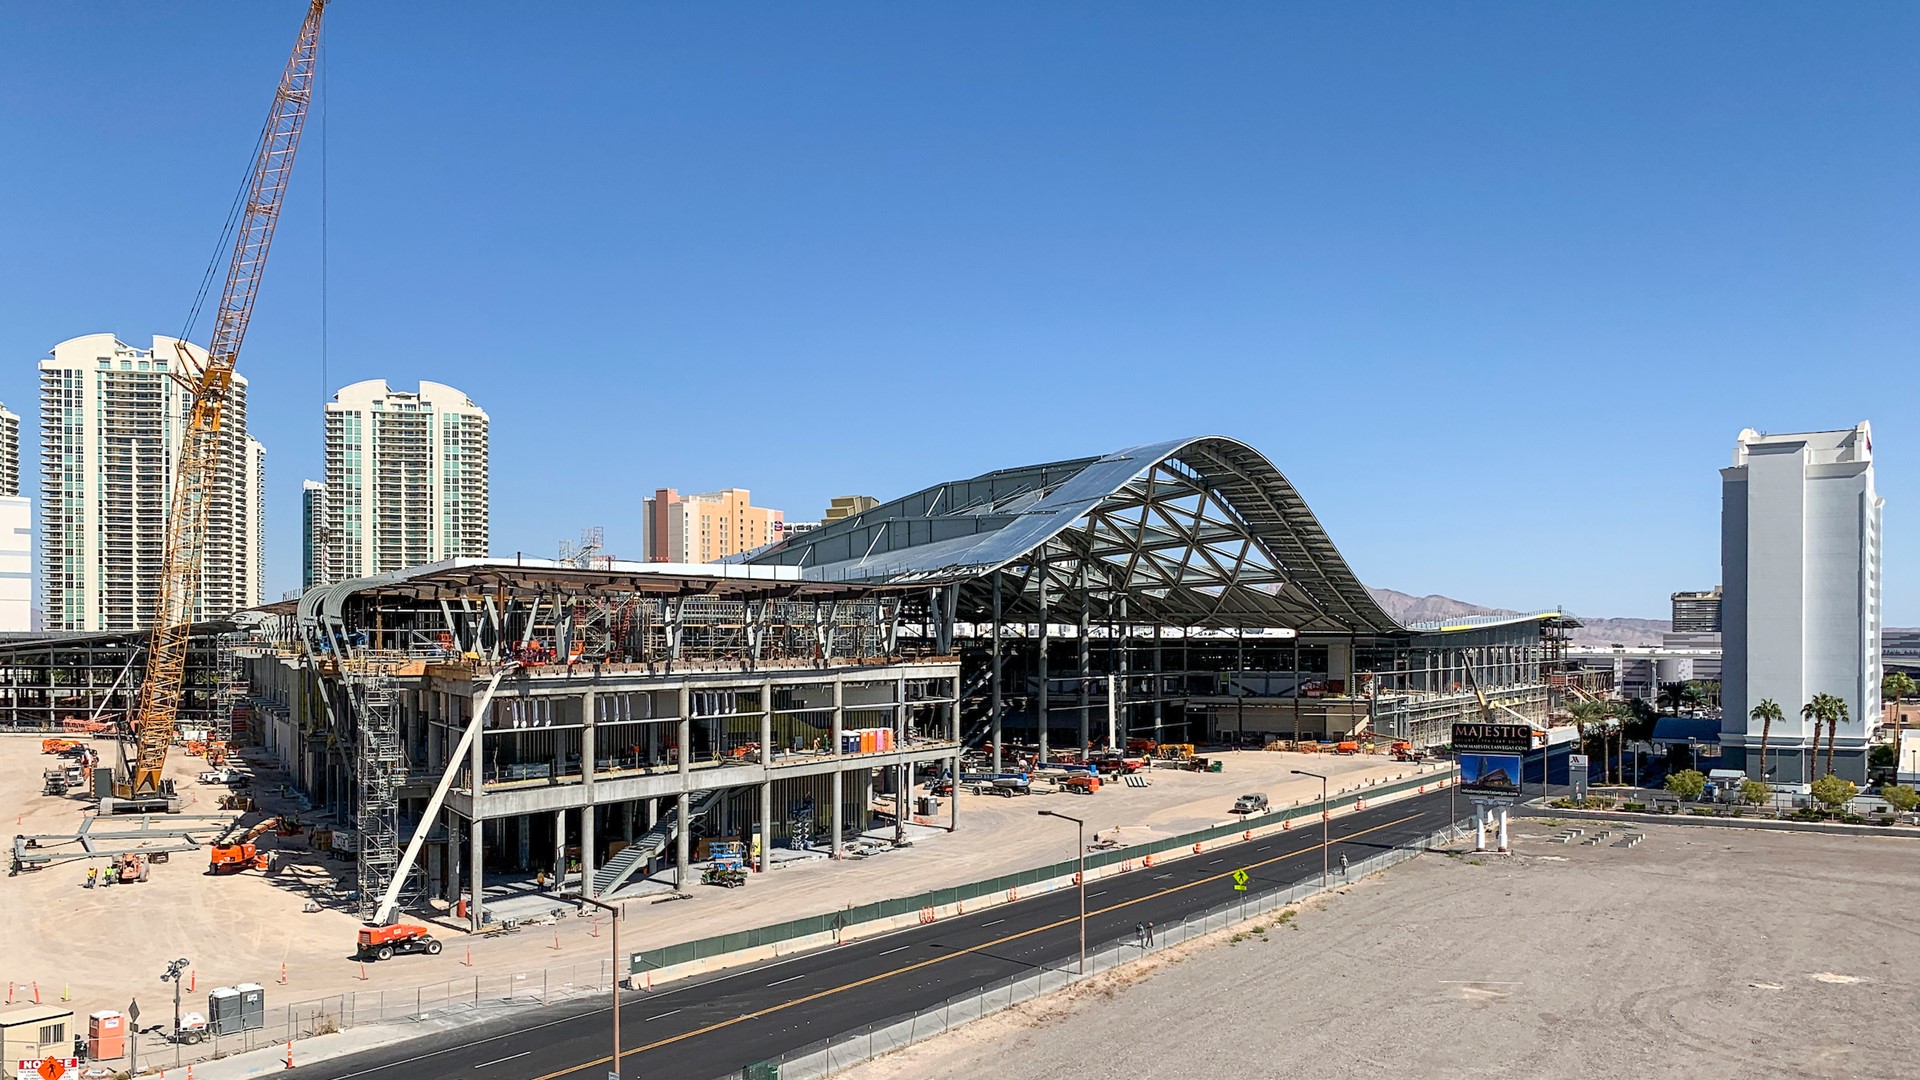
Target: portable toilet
<point>106,1035</point>
<point>223,1011</point>
<point>253,1006</point>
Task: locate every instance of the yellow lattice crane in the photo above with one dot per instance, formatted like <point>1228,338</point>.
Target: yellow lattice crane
<point>198,463</point>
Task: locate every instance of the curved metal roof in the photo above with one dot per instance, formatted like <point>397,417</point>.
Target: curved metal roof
<point>1198,531</point>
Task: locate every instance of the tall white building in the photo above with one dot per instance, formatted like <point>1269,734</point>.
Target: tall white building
<point>111,417</point>
<point>1800,614</point>
<point>9,452</point>
<point>406,479</point>
<point>313,533</point>
<point>16,533</point>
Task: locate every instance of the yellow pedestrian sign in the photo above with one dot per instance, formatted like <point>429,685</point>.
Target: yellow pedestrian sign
<point>1240,880</point>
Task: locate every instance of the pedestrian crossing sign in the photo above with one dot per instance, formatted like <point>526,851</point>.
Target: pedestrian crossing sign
<point>1240,880</point>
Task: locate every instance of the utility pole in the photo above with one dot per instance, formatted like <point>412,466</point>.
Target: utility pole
<point>616,911</point>
<point>1081,879</point>
<point>1326,825</point>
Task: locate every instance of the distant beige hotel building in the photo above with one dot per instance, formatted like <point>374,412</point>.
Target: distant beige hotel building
<point>703,528</point>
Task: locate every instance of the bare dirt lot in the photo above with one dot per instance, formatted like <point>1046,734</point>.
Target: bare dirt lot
<point>1700,952</point>
<point>107,945</point>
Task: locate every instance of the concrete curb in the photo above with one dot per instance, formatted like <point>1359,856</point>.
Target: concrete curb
<point>1762,824</point>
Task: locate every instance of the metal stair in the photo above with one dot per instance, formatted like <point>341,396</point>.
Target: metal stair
<point>635,855</point>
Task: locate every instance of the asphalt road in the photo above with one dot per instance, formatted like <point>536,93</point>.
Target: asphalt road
<point>707,1029</point>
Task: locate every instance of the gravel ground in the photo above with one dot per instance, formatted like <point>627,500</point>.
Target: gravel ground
<point>1700,952</point>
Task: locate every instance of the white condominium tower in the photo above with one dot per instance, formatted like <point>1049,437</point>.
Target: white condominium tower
<point>16,533</point>
<point>406,479</point>
<point>110,424</point>
<point>9,452</point>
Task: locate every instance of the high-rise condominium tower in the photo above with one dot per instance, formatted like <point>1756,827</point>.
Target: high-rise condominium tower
<point>406,480</point>
<point>110,422</point>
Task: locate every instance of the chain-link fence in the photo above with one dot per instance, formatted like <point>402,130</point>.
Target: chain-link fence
<point>843,1051</point>
<point>476,998</point>
<point>1305,811</point>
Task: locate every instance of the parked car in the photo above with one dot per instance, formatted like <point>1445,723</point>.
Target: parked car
<point>232,778</point>
<point>1253,803</point>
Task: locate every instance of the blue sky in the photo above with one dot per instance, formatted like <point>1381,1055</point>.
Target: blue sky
<point>1496,285</point>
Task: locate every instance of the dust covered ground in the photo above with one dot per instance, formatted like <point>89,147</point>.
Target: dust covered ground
<point>1700,952</point>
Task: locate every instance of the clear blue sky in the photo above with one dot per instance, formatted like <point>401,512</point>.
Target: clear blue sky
<point>1496,285</point>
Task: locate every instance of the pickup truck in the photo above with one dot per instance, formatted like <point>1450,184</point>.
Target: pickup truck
<point>232,778</point>
<point>1254,803</point>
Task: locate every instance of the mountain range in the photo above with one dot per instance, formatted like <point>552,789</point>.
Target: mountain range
<point>1408,608</point>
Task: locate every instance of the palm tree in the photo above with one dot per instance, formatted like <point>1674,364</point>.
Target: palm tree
<point>1814,712</point>
<point>1766,712</point>
<point>1897,686</point>
<point>1673,695</point>
<point>1836,712</point>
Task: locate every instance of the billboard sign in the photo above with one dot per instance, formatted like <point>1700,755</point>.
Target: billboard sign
<point>1489,774</point>
<point>1493,738</point>
<point>1489,756</point>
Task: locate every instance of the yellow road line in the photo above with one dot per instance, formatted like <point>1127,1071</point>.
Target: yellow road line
<point>769,1010</point>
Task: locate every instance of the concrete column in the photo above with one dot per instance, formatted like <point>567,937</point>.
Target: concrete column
<point>995,714</point>
<point>1084,666</point>
<point>766,825</point>
<point>476,882</point>
<point>766,786</point>
<point>1042,710</point>
<point>588,748</point>
<point>838,793</point>
<point>903,773</point>
<point>451,885</point>
<point>838,719</point>
<point>1479,827</point>
<point>766,724</point>
<point>1503,829</point>
<point>680,839</point>
<point>686,731</point>
<point>589,856</point>
<point>1159,682</point>
<point>559,845</point>
<point>953,801</point>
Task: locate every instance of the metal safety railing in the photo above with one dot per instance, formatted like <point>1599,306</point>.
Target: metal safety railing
<point>831,1055</point>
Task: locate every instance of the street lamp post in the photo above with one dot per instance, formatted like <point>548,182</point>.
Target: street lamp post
<point>173,976</point>
<point>1081,878</point>
<point>616,912</point>
<point>1326,843</point>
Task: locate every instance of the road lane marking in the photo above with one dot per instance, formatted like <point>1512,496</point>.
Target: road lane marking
<point>1091,895</point>
<point>662,1016</point>
<point>902,948</point>
<point>1216,862</point>
<point>995,922</point>
<point>497,1061</point>
<point>871,979</point>
<point>787,980</point>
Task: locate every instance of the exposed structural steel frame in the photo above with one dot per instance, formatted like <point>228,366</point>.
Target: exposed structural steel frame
<point>1190,532</point>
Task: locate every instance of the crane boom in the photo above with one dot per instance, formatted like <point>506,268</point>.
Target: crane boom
<point>211,385</point>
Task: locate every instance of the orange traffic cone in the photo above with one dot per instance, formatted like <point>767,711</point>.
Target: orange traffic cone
<point>36,991</point>
<point>283,974</point>
<point>193,979</point>
<point>556,941</point>
<point>289,1053</point>
<point>469,956</point>
<point>189,1072</point>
